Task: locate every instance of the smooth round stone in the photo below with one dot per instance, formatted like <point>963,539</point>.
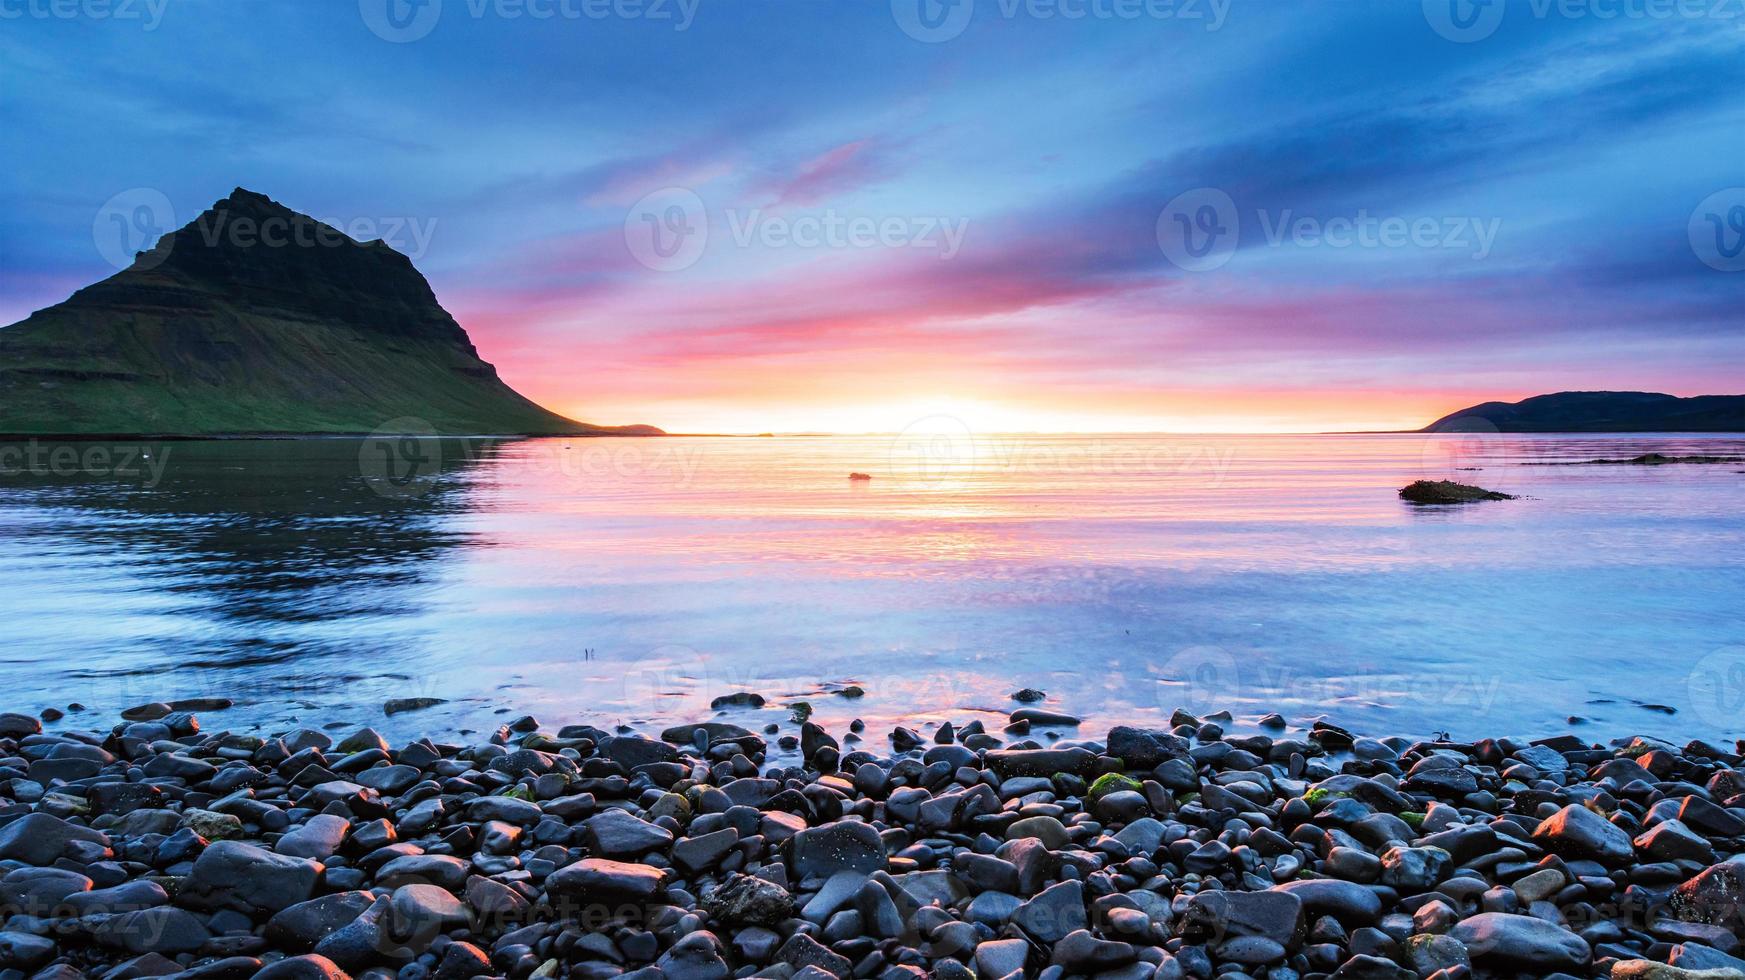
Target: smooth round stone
<point>1251,951</point>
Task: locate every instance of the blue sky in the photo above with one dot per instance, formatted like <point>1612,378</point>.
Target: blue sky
<point>984,220</point>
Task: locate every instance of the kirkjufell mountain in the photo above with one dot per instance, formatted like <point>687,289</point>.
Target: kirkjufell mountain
<point>214,333</point>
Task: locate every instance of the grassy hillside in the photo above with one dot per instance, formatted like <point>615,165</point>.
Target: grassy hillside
<point>204,336</point>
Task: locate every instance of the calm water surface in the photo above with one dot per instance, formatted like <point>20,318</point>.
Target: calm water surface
<point>634,580</point>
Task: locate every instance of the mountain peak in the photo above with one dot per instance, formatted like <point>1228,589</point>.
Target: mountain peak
<point>255,318</point>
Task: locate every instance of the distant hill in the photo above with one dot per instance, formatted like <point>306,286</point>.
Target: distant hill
<point>1601,411</point>
<point>213,333</point>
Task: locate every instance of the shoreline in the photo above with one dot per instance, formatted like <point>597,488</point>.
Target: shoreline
<point>576,851</point>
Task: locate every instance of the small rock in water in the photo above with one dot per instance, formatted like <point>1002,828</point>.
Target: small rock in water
<point>1038,716</point>
<point>397,705</point>
<point>1448,492</point>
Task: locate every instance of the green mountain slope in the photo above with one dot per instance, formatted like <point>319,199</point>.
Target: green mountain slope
<point>216,332</point>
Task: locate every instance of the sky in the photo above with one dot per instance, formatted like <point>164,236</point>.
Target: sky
<point>1028,215</point>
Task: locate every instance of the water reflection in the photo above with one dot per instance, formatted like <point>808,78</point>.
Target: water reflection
<point>635,580</point>
<point>182,557</point>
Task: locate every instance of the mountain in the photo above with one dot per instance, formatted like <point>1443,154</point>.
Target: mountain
<point>1601,411</point>
<point>256,320</point>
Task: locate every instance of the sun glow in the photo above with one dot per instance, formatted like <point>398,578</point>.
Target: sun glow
<point>1208,413</point>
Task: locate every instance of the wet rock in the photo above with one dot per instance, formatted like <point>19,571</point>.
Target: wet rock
<point>1577,832</point>
<point>39,838</point>
<point>309,967</point>
<point>1714,896</point>
<point>1012,763</point>
<point>1001,957</point>
<point>694,854</point>
<point>602,880</point>
<point>1366,967</point>
<point>1521,941</point>
<point>461,961</point>
<point>753,901</point>
<point>619,834</point>
<point>1350,903</point>
<point>1039,716</point>
<point>1428,954</point>
<point>1145,748</point>
<point>1080,952</point>
<point>695,957</point>
<point>241,876</point>
<point>835,847</point>
<point>1650,970</point>
<point>299,927</point>
<point>164,929</point>
<point>320,838</point>
<point>1275,915</point>
<point>395,706</point>
<point>802,951</point>
<point>24,951</point>
<point>1413,869</point>
<point>15,725</point>
<point>1058,910</point>
<point>1447,492</point>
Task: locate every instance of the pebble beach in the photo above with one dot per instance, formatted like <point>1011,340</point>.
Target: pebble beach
<point>166,846</point>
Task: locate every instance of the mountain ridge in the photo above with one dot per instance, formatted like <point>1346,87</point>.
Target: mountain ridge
<point>1600,411</point>
<point>216,331</point>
